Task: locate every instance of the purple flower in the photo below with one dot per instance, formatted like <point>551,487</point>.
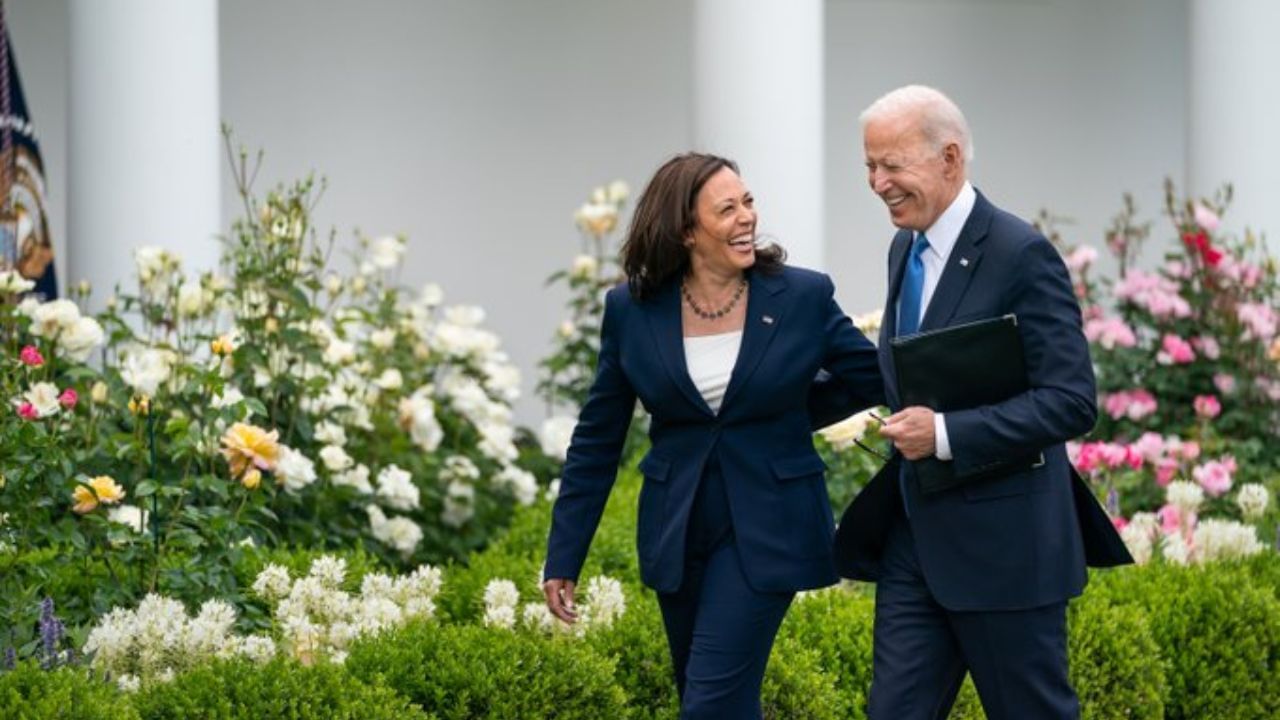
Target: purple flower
<point>51,633</point>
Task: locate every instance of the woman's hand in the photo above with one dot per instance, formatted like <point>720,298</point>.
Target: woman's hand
<point>559,594</point>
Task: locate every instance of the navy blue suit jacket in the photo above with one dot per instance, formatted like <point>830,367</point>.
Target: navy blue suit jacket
<point>1014,540</point>
<point>762,437</point>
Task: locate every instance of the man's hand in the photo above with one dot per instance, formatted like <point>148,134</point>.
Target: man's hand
<point>911,431</point>
<point>559,594</point>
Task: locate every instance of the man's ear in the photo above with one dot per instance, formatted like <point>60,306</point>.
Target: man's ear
<point>953,158</point>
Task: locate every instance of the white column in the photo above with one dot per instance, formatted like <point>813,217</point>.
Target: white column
<point>758,100</point>
<point>145,149</point>
<point>1235,108</point>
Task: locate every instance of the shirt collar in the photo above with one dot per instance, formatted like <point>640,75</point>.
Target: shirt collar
<point>946,229</point>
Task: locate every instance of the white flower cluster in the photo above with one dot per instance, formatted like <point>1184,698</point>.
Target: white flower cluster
<point>158,639</point>
<point>145,369</point>
<point>557,432</point>
<point>318,620</point>
<point>601,604</point>
<point>60,321</point>
<point>157,268</point>
<point>12,282</point>
<point>492,419</point>
<point>1253,500</point>
<point>1210,541</point>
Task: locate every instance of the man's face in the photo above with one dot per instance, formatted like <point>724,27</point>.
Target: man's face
<point>913,179</point>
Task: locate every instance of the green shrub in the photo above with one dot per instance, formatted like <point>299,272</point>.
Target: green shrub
<point>836,624</point>
<point>1219,633</point>
<point>29,693</point>
<point>460,672</point>
<point>235,689</point>
<point>797,686</point>
<point>1117,667</point>
<point>638,643</point>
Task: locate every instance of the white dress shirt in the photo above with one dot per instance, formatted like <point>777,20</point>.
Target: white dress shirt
<point>942,239</point>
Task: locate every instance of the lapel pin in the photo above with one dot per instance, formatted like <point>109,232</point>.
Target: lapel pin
<point>768,319</point>
<point>964,262</point>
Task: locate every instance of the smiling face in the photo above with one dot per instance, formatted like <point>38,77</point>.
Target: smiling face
<point>915,180</point>
<point>722,240</point>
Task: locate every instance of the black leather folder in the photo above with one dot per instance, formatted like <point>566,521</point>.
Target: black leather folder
<point>958,368</point>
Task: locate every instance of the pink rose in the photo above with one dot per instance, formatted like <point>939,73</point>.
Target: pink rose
<point>1110,333</point>
<point>1141,404</point>
<point>68,398</point>
<point>1207,346</point>
<point>1259,321</point>
<point>1119,522</point>
<point>1151,445</point>
<point>1207,219</point>
<point>27,411</point>
<point>1175,351</point>
<point>1207,406</point>
<point>1114,455</point>
<point>1190,450</point>
<point>1166,469</point>
<point>1213,476</point>
<point>1088,457</point>
<point>1171,520</point>
<point>1225,383</point>
<point>1081,258</point>
<point>31,357</point>
<point>1132,457</point>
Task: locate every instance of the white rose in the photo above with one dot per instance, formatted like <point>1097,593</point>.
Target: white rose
<point>567,329</point>
<point>144,369</point>
<point>521,483</point>
<point>229,397</point>
<point>390,379</point>
<point>382,339</point>
<point>331,433</point>
<point>80,339</point>
<point>417,413</point>
<point>386,252</point>
<point>51,318</point>
<point>584,267</point>
<point>43,396</point>
<point>333,284</point>
<point>191,299</point>
<point>294,470</point>
<point>1186,496</point>
<point>11,281</point>
<point>618,192</point>
<point>843,434</point>
<point>432,295</point>
<point>556,434</point>
<point>396,488</point>
<point>339,352</point>
<point>335,458</point>
<point>357,477</point>
<point>464,315</point>
<point>459,504</point>
<point>129,515</point>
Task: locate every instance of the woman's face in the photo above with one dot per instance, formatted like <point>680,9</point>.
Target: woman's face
<point>724,232</point>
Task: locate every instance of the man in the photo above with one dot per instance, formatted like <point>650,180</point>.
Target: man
<point>974,578</point>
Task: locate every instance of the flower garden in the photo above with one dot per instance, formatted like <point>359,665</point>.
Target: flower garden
<point>281,489</point>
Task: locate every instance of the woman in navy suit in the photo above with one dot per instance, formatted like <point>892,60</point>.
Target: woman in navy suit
<point>720,341</point>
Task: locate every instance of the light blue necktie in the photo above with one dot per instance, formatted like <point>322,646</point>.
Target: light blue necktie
<point>909,320</point>
<point>912,288</point>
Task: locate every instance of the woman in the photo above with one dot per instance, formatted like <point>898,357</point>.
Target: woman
<point>720,341</point>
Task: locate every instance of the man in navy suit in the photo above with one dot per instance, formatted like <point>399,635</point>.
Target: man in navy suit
<point>974,578</point>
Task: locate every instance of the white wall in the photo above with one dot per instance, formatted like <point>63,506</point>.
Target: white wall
<point>1071,103</point>
<point>477,127</point>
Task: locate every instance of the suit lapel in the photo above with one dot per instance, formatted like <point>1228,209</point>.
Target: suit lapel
<point>961,265</point>
<point>765,308</point>
<point>668,334</point>
<point>889,320</point>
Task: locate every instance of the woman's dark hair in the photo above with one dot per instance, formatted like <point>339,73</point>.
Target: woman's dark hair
<point>654,250</point>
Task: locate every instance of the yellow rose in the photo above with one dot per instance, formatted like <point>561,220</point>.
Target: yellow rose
<point>246,446</point>
<point>140,405</point>
<point>85,500</point>
<point>107,489</point>
<point>252,478</point>
<point>99,393</point>
<point>222,345</point>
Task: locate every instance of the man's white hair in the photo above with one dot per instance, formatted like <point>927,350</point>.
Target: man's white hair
<point>940,119</point>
